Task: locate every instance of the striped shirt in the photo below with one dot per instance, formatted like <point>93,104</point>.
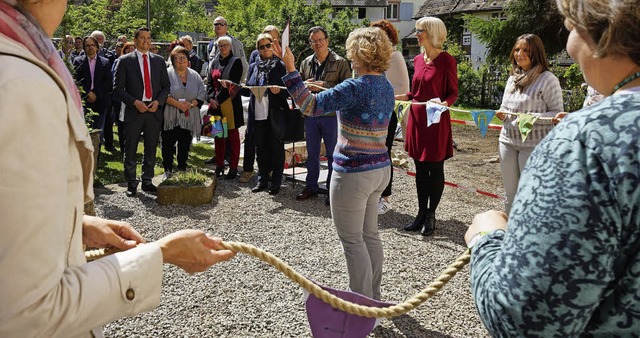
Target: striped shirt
<point>541,98</point>
<point>363,107</point>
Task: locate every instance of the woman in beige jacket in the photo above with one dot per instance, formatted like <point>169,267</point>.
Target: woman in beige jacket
<point>47,289</point>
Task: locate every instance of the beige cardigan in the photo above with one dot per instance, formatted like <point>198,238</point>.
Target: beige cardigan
<point>46,287</point>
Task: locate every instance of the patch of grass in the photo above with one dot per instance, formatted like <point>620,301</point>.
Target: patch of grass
<point>191,177</point>
<point>110,166</point>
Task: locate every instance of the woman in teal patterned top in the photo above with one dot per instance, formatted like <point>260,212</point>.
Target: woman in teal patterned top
<point>567,261</point>
<point>361,164</point>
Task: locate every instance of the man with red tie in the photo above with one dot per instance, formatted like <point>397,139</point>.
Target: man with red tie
<point>142,82</point>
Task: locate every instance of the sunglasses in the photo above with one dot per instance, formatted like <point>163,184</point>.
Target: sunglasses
<point>267,46</point>
<point>219,24</point>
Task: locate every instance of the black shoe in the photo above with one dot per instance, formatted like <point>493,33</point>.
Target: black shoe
<point>131,190</point>
<point>110,149</point>
<point>149,187</point>
<point>306,194</point>
<point>210,161</point>
<point>429,225</point>
<point>259,187</point>
<point>274,190</point>
<point>231,174</point>
<point>327,202</point>
<point>219,172</point>
<point>416,225</point>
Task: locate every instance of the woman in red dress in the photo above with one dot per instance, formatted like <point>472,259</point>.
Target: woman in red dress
<point>435,77</point>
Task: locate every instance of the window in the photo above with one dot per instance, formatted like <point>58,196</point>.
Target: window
<point>391,12</point>
<point>362,12</point>
<point>465,27</point>
<point>500,16</point>
<point>466,40</point>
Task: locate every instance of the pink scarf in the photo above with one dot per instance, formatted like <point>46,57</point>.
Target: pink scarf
<point>19,26</point>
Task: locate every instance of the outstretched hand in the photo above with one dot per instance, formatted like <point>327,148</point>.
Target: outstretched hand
<point>288,58</point>
<point>487,221</point>
<point>193,250</point>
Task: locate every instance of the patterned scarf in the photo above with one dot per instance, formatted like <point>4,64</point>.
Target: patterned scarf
<point>525,78</point>
<point>264,67</point>
<point>18,25</point>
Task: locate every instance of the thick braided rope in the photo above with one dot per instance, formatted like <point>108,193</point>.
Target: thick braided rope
<point>335,302</point>
<point>349,307</point>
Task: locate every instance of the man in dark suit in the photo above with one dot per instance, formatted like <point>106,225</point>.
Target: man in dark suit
<point>142,83</point>
<point>93,75</point>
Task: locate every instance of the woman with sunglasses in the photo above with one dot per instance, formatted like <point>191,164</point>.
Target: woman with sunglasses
<point>267,70</point>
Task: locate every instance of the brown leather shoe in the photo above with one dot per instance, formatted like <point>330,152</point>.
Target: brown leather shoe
<point>306,194</point>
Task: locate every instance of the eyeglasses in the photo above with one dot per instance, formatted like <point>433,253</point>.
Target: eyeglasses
<point>219,24</point>
<point>267,46</point>
<point>181,58</point>
<point>419,31</point>
<point>89,45</point>
<point>315,42</point>
<point>224,45</point>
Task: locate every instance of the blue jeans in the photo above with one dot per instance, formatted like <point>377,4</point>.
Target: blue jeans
<point>317,129</point>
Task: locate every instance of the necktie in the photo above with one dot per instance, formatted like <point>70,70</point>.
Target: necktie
<point>147,77</point>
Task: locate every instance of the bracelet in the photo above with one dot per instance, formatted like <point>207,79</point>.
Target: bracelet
<point>478,236</point>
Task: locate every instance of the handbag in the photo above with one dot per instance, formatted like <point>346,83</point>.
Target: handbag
<point>215,126</point>
<point>287,125</point>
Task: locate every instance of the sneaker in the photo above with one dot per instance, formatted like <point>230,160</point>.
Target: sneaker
<point>246,176</point>
<point>383,207</point>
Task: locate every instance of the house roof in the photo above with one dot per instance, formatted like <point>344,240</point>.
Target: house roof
<point>439,7</point>
<point>359,3</point>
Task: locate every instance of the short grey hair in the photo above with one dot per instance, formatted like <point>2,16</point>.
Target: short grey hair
<point>226,38</point>
<point>188,38</point>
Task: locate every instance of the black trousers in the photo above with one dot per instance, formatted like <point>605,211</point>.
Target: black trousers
<point>181,137</point>
<point>249,150</point>
<point>150,125</point>
<point>391,135</point>
<point>108,127</point>
<point>270,153</point>
<point>429,185</point>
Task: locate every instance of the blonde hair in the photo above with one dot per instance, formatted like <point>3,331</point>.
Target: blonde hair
<point>435,29</point>
<point>262,37</point>
<point>369,47</point>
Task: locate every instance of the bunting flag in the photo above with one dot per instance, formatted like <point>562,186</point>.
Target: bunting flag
<point>327,322</point>
<point>482,119</point>
<point>259,92</point>
<point>401,108</point>
<point>284,39</point>
<point>525,124</point>
<point>433,113</point>
<point>219,127</point>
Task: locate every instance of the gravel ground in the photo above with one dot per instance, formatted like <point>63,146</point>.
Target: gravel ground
<point>245,297</point>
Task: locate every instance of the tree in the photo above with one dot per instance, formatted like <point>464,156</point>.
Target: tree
<point>540,17</point>
<point>115,17</point>
<point>247,18</point>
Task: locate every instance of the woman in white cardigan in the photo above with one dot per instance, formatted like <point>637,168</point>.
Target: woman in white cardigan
<point>398,76</point>
<point>531,89</point>
<point>47,287</point>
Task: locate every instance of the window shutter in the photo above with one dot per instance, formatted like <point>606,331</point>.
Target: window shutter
<point>406,11</point>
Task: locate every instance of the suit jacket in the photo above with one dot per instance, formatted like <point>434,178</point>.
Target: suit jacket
<point>102,81</point>
<point>48,289</point>
<point>128,83</point>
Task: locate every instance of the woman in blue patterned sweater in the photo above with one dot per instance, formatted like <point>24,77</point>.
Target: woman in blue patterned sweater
<point>567,261</point>
<point>361,163</point>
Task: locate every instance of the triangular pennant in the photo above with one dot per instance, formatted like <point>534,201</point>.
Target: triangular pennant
<point>284,39</point>
<point>525,124</point>
<point>401,108</point>
<point>433,113</point>
<point>219,127</point>
<point>327,322</point>
<point>482,119</point>
<point>259,92</point>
